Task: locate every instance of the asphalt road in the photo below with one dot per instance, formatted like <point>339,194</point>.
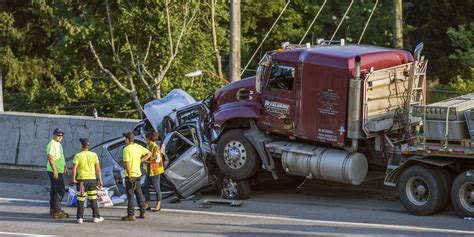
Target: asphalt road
<point>321,209</point>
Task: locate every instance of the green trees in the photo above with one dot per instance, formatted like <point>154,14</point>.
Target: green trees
<point>68,57</point>
<point>462,60</point>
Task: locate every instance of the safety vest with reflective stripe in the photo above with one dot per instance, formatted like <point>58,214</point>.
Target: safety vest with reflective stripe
<point>155,167</point>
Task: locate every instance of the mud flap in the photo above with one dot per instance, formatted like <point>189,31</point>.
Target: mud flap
<point>258,139</point>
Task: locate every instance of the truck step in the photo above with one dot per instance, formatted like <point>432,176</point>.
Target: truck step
<point>467,142</point>
<point>392,167</point>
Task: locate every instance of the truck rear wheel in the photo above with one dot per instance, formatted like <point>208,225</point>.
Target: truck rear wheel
<point>421,190</point>
<point>462,194</point>
<point>236,157</point>
<point>447,182</point>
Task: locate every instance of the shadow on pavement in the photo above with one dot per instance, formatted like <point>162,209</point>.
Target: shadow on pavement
<point>249,233</point>
<point>323,230</point>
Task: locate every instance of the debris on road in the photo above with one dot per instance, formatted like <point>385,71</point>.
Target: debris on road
<point>208,203</point>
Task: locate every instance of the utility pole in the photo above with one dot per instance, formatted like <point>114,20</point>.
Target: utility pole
<point>1,90</point>
<point>397,24</point>
<point>234,62</point>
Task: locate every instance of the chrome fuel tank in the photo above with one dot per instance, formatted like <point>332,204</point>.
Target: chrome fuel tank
<point>320,162</point>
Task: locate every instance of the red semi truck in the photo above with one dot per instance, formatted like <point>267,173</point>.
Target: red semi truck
<point>332,110</point>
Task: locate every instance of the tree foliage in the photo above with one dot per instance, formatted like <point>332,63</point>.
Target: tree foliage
<point>48,65</point>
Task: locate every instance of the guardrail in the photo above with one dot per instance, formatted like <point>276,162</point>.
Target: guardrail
<point>24,136</point>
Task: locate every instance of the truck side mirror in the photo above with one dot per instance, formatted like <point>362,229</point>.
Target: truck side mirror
<point>258,79</point>
<point>264,62</point>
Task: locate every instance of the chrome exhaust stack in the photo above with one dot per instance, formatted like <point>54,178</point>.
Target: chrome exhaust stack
<point>354,115</point>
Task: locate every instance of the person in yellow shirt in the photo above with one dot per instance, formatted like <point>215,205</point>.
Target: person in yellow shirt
<point>154,168</point>
<point>86,165</point>
<point>133,156</point>
<point>56,166</point>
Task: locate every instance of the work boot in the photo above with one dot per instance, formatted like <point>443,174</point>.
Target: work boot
<point>128,218</point>
<point>142,215</point>
<point>65,213</point>
<point>59,215</point>
<point>147,206</point>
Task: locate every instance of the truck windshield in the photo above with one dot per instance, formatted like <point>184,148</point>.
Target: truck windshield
<point>281,78</point>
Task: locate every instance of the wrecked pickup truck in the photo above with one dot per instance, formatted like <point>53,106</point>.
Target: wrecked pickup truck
<point>185,141</point>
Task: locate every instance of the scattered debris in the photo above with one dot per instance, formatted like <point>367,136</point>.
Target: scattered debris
<point>208,203</point>
<point>71,198</point>
<point>103,197</point>
<point>174,200</point>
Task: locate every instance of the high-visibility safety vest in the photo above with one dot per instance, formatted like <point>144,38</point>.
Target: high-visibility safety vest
<point>155,167</point>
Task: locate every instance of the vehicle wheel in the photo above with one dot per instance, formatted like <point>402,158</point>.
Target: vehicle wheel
<point>421,190</point>
<point>462,194</point>
<point>236,156</point>
<point>447,182</point>
<point>235,189</point>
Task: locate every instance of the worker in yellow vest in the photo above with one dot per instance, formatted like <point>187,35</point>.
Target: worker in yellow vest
<point>154,168</point>
<point>56,167</point>
<point>86,165</point>
<point>133,156</point>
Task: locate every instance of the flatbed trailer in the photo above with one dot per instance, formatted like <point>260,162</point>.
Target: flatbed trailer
<point>436,167</point>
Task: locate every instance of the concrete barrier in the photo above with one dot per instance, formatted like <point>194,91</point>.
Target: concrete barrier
<point>24,136</point>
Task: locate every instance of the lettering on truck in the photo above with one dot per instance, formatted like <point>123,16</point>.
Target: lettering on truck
<point>277,109</point>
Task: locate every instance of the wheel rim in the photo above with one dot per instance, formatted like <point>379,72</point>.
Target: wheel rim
<point>235,154</point>
<point>466,196</point>
<point>229,188</point>
<point>417,190</point>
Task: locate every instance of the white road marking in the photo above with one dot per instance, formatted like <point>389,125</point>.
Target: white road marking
<point>286,219</point>
<point>26,200</point>
<point>329,223</point>
<point>23,234</point>
<point>25,218</point>
<point>23,200</point>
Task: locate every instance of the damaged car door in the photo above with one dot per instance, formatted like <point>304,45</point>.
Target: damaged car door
<point>187,170</point>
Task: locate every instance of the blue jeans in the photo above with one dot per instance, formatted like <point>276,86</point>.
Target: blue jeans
<point>156,183</point>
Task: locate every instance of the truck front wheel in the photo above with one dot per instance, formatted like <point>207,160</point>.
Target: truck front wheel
<point>421,190</point>
<point>462,194</point>
<point>236,157</point>
<point>239,189</point>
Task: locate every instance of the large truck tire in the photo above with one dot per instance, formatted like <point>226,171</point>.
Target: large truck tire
<point>421,190</point>
<point>446,181</point>
<point>236,156</point>
<point>235,189</point>
<point>462,194</point>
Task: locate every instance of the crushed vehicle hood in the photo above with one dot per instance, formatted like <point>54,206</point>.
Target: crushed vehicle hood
<point>157,109</point>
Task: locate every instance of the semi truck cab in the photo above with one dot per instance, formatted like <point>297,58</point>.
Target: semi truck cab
<point>304,92</point>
